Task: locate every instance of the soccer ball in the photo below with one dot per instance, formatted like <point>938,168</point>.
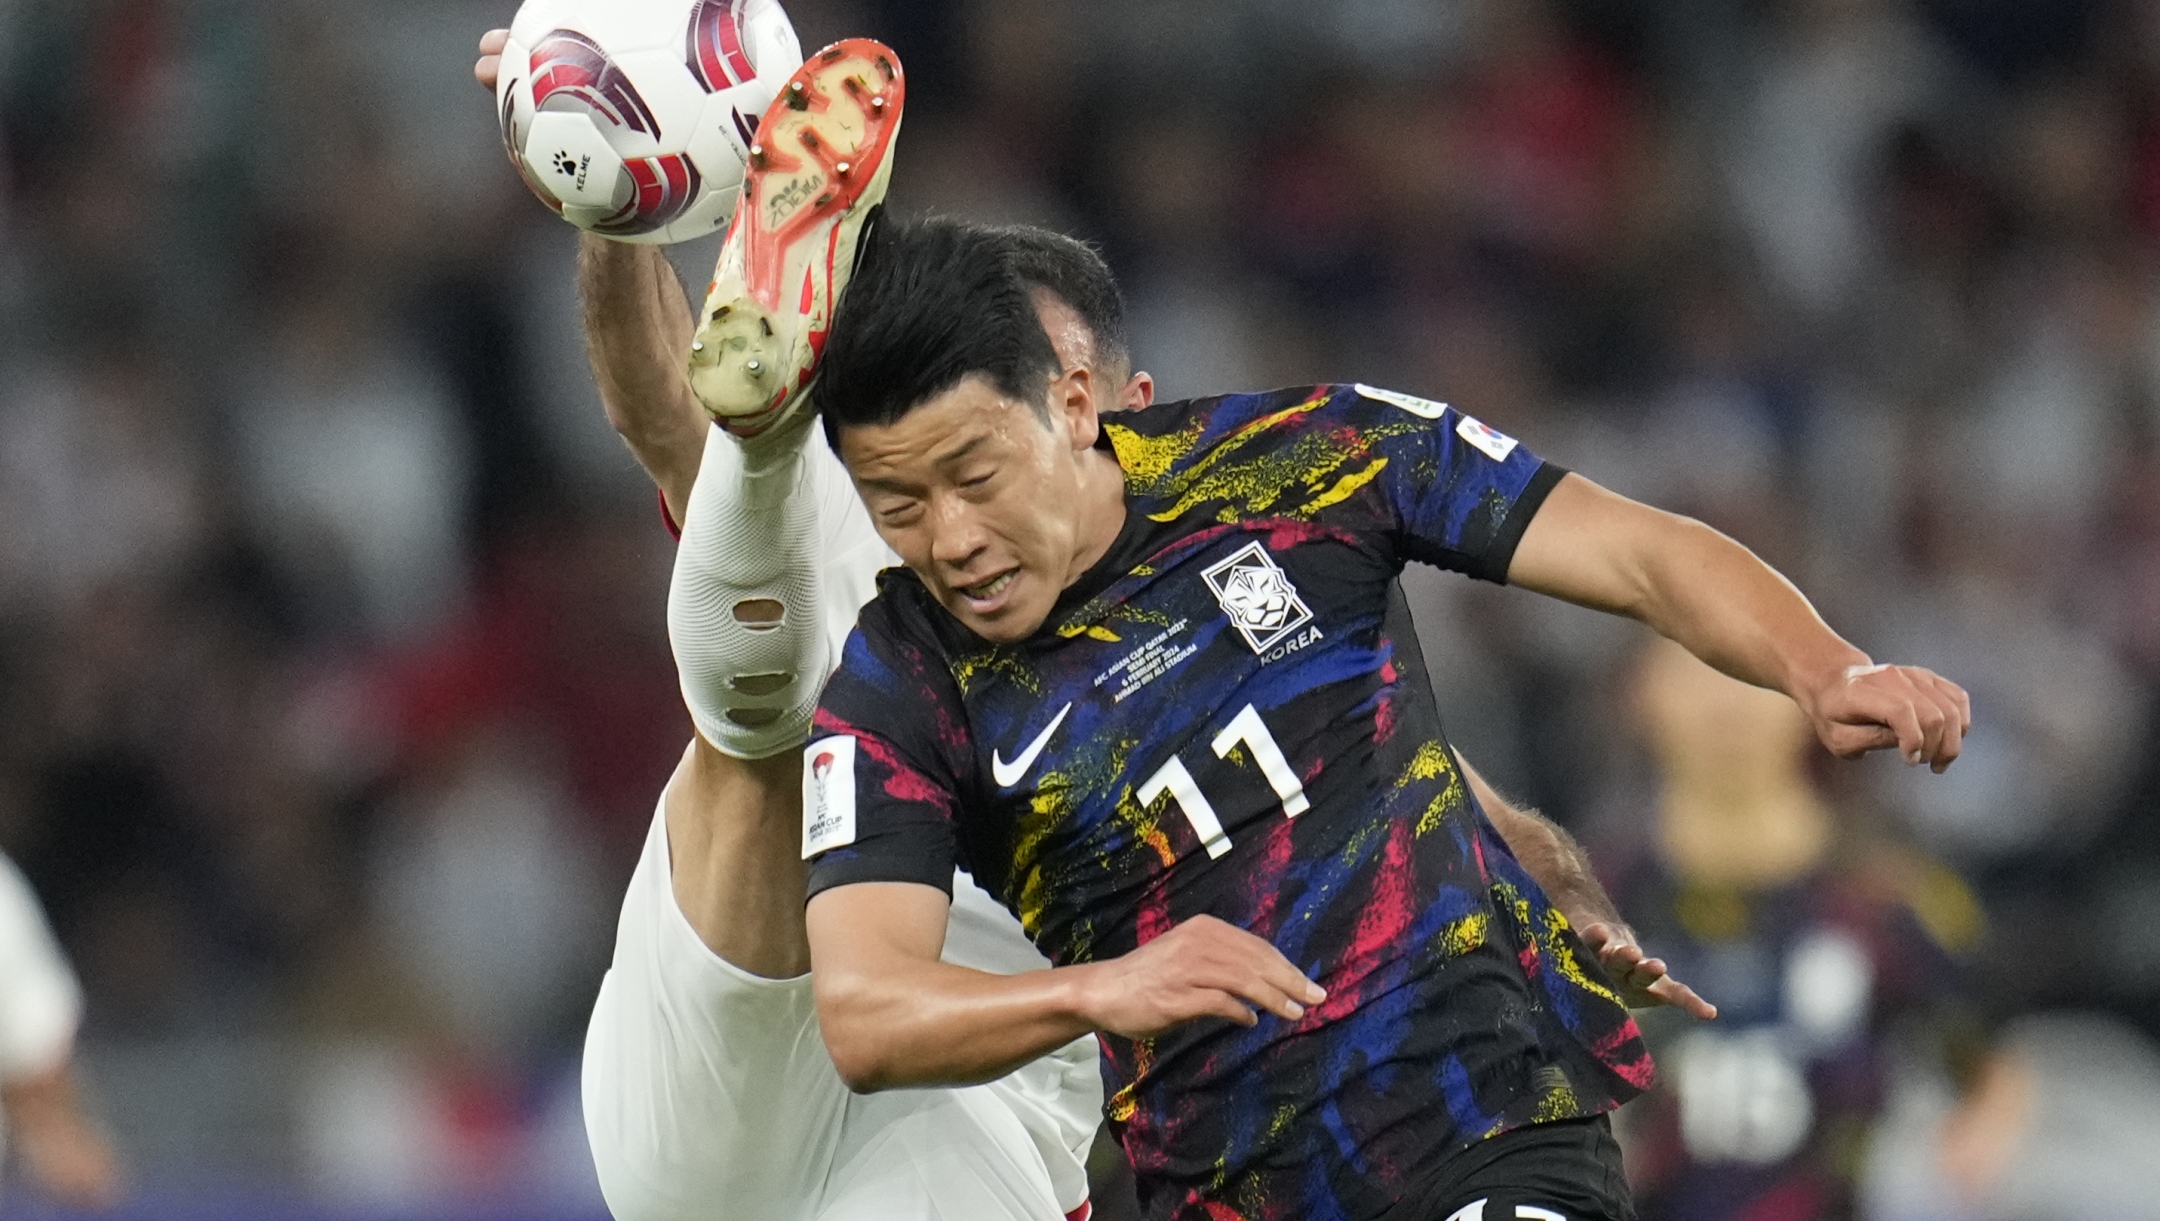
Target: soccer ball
<point>633,118</point>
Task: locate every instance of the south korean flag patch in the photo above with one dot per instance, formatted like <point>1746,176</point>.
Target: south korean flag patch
<point>828,794</point>
<point>1496,445</point>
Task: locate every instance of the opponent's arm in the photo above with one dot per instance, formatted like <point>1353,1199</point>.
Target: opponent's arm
<point>1549,854</point>
<point>1712,595</point>
<point>637,338</point>
<point>1562,869</point>
<point>894,1015</point>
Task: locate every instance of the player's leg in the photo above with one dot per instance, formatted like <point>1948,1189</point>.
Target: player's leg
<point>705,1081</point>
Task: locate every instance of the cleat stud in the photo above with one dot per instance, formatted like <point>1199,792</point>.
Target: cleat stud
<point>885,66</point>
<point>877,101</point>
<point>826,198</point>
<point>795,86</point>
<point>698,346</point>
<point>754,366</point>
<point>831,53</point>
<point>842,168</point>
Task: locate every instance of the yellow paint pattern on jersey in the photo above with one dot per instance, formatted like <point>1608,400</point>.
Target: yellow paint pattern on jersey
<point>1431,762</point>
<point>1251,485</point>
<point>1119,1107</point>
<point>999,661</point>
<point>1094,617</point>
<point>1547,942</point>
<point>1558,1103</point>
<point>1463,935</point>
<point>1147,460</point>
<point>1346,487</point>
<point>1057,791</point>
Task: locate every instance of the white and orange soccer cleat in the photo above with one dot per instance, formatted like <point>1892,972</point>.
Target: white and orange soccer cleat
<point>818,171</point>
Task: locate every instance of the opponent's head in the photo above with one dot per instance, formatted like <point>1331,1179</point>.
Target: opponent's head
<point>971,442</point>
<point>1081,309</point>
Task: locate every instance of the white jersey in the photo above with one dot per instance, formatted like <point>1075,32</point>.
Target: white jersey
<point>708,1091</point>
<point>40,1002</point>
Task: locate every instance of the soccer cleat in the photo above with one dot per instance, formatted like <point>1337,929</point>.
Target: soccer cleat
<point>818,171</point>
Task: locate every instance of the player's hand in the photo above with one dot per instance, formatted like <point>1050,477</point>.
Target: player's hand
<point>490,65</point>
<point>1644,982</point>
<point>1919,712</point>
<point>1201,968</point>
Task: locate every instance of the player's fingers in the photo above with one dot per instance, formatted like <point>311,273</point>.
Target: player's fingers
<point>1931,713</point>
<point>1903,719</point>
<point>1963,701</point>
<point>487,70</point>
<point>1271,966</point>
<point>1853,741</point>
<point>1264,995</point>
<point>1597,937</point>
<point>1958,712</point>
<point>1621,959</point>
<point>493,42</point>
<point>1218,1003</point>
<point>1290,981</point>
<point>1670,991</point>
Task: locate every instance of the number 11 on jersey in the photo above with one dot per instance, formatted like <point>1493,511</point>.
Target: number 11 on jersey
<point>1172,778</point>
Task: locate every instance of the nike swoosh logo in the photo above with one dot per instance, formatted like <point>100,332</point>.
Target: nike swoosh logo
<point>1009,774</point>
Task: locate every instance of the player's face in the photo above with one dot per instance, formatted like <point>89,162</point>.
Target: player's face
<point>984,499</point>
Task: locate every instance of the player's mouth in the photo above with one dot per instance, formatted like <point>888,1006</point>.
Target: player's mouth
<point>987,596</point>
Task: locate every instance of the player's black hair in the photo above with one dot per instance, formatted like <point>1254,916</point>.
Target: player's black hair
<point>932,301</point>
<point>1075,271</point>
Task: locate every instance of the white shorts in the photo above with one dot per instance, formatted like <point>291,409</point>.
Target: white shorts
<point>709,1094</point>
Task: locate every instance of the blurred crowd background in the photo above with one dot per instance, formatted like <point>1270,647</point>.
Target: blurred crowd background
<point>334,687</point>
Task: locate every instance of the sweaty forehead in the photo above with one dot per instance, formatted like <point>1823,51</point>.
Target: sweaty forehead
<point>1069,335</point>
<point>971,416</point>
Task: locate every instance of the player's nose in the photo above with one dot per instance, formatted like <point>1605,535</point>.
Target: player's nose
<point>957,535</point>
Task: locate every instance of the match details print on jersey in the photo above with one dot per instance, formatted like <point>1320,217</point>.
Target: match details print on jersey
<point>1229,715</point>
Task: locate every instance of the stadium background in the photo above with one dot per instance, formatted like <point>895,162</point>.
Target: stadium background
<point>334,692</point>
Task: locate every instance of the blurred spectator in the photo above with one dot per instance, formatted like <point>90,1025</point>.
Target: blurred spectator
<point>61,1150</point>
<point>1818,942</point>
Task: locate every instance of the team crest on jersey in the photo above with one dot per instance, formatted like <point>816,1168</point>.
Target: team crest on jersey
<point>828,794</point>
<point>1257,595</point>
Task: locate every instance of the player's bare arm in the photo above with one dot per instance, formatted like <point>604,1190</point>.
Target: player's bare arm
<point>637,337</point>
<point>893,1015</point>
<point>1713,596</point>
<point>1561,866</point>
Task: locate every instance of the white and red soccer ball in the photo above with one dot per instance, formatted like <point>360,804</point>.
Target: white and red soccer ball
<point>634,118</point>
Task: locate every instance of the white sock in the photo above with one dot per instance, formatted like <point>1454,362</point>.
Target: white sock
<point>750,540</point>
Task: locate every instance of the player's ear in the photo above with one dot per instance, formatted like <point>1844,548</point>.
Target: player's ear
<point>1073,408</point>
<point>1138,392</point>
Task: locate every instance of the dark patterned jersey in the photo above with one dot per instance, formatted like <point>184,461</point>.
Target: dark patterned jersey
<point>1822,982</point>
<point>1229,715</point>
